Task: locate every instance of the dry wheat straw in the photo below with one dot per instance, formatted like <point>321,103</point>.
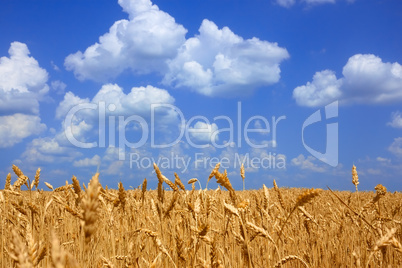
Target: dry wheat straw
<point>216,168</point>
<point>37,177</point>
<point>178,182</point>
<point>8,182</point>
<point>90,204</point>
<point>355,177</point>
<point>280,198</point>
<point>242,174</point>
<point>49,186</point>
<point>191,181</point>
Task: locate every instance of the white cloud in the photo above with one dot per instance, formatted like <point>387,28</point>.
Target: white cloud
<point>261,127</point>
<point>215,62</point>
<point>14,128</point>
<point>370,80</point>
<point>286,3</point>
<point>324,89</point>
<point>49,149</point>
<point>85,122</point>
<point>383,160</point>
<point>22,81</point>
<point>22,86</point>
<point>69,101</point>
<point>87,162</point>
<point>141,44</point>
<point>115,168</point>
<point>54,66</point>
<point>218,62</point>
<point>396,147</point>
<point>112,153</point>
<point>21,72</point>
<point>48,146</point>
<point>366,79</point>
<point>58,86</point>
<point>307,163</point>
<point>137,102</point>
<point>204,132</point>
<point>268,160</point>
<point>396,120</point>
<point>79,128</point>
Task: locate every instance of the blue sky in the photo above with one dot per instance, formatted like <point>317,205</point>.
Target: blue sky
<point>194,75</point>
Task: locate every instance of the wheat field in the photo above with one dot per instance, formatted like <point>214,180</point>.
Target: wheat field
<point>90,225</point>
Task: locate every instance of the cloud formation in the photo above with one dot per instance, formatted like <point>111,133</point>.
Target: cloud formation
<point>204,132</point>
<point>137,102</point>
<point>214,63</point>
<point>324,88</point>
<point>396,120</point>
<point>217,62</point>
<point>396,147</point>
<point>141,44</point>
<point>88,162</point>
<point>366,79</point>
<point>50,150</point>
<point>14,128</point>
<point>307,163</point>
<point>111,102</point>
<point>23,83</point>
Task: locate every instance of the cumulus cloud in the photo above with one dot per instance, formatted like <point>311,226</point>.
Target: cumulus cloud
<point>396,120</point>
<point>88,162</point>
<point>396,147</point>
<point>204,132</point>
<point>323,89</point>
<point>218,62</point>
<point>141,44</point>
<point>112,102</point>
<point>22,81</point>
<point>307,163</point>
<point>14,128</point>
<point>22,86</point>
<point>49,149</point>
<point>215,62</point>
<point>366,79</point>
<point>137,102</point>
<point>69,101</point>
<point>369,79</point>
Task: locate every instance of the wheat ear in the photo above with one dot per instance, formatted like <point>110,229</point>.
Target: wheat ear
<point>90,205</point>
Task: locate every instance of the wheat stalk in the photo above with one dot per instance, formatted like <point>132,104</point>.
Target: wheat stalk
<point>90,204</point>
<point>242,174</point>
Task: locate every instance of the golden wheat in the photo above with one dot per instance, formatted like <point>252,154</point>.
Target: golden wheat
<point>279,227</point>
